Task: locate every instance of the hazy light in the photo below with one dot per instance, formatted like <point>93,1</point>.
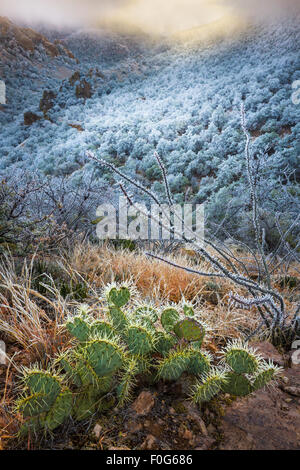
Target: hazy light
<point>152,16</point>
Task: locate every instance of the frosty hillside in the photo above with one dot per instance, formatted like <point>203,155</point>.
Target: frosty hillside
<point>186,340</point>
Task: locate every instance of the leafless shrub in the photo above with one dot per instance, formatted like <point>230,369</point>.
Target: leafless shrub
<point>282,325</point>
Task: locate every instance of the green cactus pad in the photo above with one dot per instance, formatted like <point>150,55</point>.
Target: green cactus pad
<point>139,340</point>
<point>147,311</point>
<point>32,425</point>
<point>127,382</point>
<point>198,362</point>
<point>164,342</point>
<point>104,355</point>
<point>190,330</point>
<point>264,376</point>
<point>119,297</point>
<point>148,324</point>
<point>237,385</point>
<point>142,363</point>
<point>169,318</point>
<point>173,365</point>
<point>241,360</point>
<point>79,328</point>
<point>71,371</point>
<point>118,318</point>
<point>85,404</point>
<point>102,328</point>
<point>209,386</point>
<point>35,404</point>
<point>42,382</point>
<point>60,411</point>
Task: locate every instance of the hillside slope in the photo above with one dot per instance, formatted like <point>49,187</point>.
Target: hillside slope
<point>181,101</point>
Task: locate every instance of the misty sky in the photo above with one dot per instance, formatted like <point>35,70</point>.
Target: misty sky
<point>158,16</point>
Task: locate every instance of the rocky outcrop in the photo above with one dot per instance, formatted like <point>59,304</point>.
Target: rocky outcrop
<point>15,39</point>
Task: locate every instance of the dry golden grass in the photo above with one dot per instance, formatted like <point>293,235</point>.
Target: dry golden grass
<point>30,322</point>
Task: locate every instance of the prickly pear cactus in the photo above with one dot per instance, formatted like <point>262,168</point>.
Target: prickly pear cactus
<point>199,362</point>
<point>104,355</point>
<point>79,327</point>
<point>140,340</point>
<point>169,318</point>
<point>249,372</point>
<point>209,385</point>
<point>146,311</point>
<point>173,365</point>
<point>100,369</point>
<point>118,297</point>
<point>190,330</point>
<point>241,358</point>
<point>47,402</point>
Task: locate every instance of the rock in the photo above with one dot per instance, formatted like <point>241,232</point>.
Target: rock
<point>30,118</point>
<point>78,127</point>
<point>193,414</point>
<point>97,430</point>
<point>268,351</point>
<point>144,403</point>
<point>257,423</point>
<point>150,443</point>
<point>47,101</point>
<point>157,429</point>
<point>84,90</point>
<point>133,427</point>
<point>295,391</point>
<point>206,443</point>
<point>211,429</point>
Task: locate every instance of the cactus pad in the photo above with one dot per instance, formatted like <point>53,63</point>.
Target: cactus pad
<point>237,385</point>
<point>118,297</point>
<point>188,310</point>
<point>35,404</point>
<point>169,318</point>
<point>139,340</point>
<point>190,330</point>
<point>148,312</point>
<point>104,355</point>
<point>79,328</point>
<point>208,386</point>
<point>102,328</point>
<point>241,360</point>
<point>198,362</point>
<point>164,342</point>
<point>265,375</point>
<point>173,365</point>
<point>117,317</point>
<point>60,411</point>
<point>43,382</point>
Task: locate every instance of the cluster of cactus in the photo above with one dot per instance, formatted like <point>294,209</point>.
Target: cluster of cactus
<point>241,372</point>
<point>100,370</point>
